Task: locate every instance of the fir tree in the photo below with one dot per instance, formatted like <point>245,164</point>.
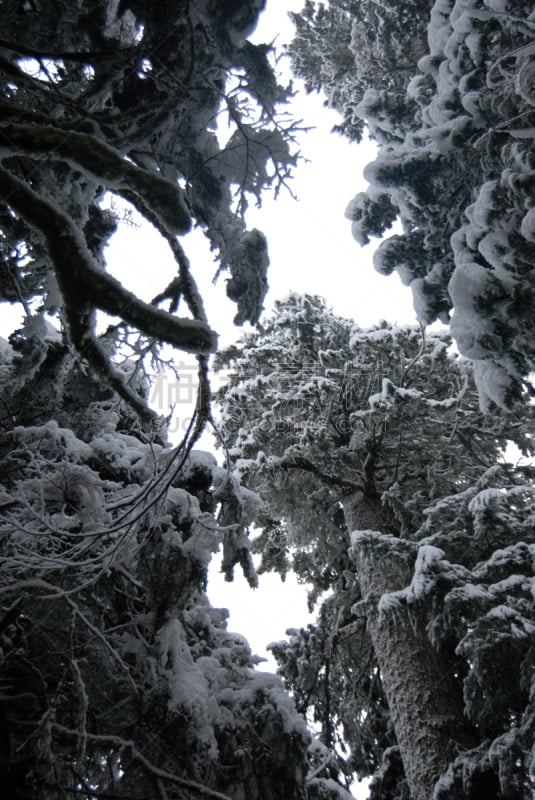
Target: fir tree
<point>454,124</point>
<point>386,488</point>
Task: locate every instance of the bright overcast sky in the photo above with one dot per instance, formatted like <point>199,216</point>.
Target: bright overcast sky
<point>310,244</point>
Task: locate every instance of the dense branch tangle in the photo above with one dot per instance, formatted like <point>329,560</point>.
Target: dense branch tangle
<point>118,678</point>
<point>125,100</point>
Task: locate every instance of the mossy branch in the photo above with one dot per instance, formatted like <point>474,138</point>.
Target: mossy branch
<point>83,283</point>
<point>98,161</point>
<point>86,287</point>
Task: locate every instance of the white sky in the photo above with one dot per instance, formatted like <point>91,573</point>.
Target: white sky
<point>310,244</point>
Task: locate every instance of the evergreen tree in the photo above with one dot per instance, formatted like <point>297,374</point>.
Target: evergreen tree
<point>118,677</point>
<point>387,488</point>
<point>347,47</point>
<point>455,132</point>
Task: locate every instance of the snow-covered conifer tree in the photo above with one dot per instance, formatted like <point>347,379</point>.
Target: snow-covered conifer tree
<point>388,491</point>
<point>118,678</point>
<point>455,126</point>
<point>346,47</point>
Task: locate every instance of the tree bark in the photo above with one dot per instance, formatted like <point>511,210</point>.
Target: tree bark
<point>425,704</point>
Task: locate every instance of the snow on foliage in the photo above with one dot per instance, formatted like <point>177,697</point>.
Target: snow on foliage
<point>106,542</point>
<point>385,488</point>
<point>119,678</point>
<point>124,124</point>
<point>454,165</point>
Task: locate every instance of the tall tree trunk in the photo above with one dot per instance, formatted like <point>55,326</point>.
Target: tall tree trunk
<point>425,704</point>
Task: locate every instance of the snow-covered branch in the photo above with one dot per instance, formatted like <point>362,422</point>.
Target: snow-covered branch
<point>85,287</point>
<point>103,163</point>
<point>130,751</point>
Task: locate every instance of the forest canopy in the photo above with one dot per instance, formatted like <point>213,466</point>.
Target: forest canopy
<point>374,465</point>
<point>119,679</point>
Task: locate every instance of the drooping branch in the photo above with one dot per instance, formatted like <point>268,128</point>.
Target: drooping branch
<point>127,747</point>
<point>85,287</point>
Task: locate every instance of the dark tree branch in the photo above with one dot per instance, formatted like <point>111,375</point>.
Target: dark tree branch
<point>82,57</point>
<point>104,164</point>
<point>85,285</point>
<point>299,462</point>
